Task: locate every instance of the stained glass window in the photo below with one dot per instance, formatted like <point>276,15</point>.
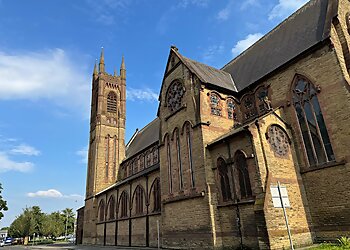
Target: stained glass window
<point>278,140</point>
<point>313,128</point>
<point>231,110</point>
<point>175,94</point>
<point>215,104</point>
<point>124,205</point>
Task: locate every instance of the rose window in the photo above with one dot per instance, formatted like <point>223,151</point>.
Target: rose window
<point>175,94</point>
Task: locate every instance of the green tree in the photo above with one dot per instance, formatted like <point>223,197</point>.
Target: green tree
<point>69,219</point>
<point>27,223</point>
<point>3,204</point>
<point>53,225</point>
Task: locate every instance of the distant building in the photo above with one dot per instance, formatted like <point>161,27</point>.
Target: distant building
<point>3,234</point>
<point>202,170</point>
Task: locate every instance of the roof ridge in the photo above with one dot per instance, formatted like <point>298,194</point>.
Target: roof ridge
<point>147,125</point>
<point>297,12</point>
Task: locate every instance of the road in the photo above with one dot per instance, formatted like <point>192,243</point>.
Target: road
<point>70,247</point>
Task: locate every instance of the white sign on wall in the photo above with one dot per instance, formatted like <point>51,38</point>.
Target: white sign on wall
<point>276,198</point>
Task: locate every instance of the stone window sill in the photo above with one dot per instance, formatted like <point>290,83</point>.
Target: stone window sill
<point>235,203</point>
<point>304,170</point>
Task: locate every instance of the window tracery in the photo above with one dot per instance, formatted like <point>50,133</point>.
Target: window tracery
<point>313,128</point>
<point>124,205</point>
<point>278,140</point>
<point>111,208</point>
<point>175,94</point>
<point>249,107</point>
<point>224,180</point>
<point>245,189</point>
<point>156,196</point>
<point>139,200</point>
<point>215,107</point>
<point>231,109</point>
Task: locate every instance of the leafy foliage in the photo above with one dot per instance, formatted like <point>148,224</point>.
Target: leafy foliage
<point>3,204</point>
<point>33,220</point>
<point>344,242</point>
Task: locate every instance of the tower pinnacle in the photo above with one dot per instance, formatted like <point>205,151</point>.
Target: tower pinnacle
<point>102,61</point>
<point>122,69</point>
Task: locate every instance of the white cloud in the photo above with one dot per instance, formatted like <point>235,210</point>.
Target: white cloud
<point>83,153</point>
<point>212,51</point>
<point>53,193</point>
<point>141,95</point>
<point>199,3</point>
<point>225,13</point>
<point>285,7</point>
<point>6,164</point>
<point>106,11</point>
<point>49,74</point>
<point>24,149</point>
<point>246,43</point>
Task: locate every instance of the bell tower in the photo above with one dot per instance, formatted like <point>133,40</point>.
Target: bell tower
<point>107,127</point>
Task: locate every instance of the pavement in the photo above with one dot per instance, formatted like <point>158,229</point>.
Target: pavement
<point>67,246</point>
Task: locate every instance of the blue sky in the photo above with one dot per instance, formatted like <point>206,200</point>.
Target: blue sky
<point>47,53</point>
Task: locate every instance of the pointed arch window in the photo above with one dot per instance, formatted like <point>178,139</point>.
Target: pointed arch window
<point>215,107</point>
<point>112,102</point>
<point>101,211</point>
<point>224,180</point>
<point>124,205</point>
<point>245,189</point>
<point>311,123</point>
<point>139,200</point>
<point>231,110</point>
<point>178,151</point>
<point>156,195</point>
<point>189,151</point>
<point>170,178</point>
<point>111,208</point>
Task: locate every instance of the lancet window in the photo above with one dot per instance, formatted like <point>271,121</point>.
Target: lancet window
<point>215,107</point>
<point>313,128</point>
<point>124,205</point>
<point>139,200</point>
<point>224,180</point>
<point>101,211</point>
<point>245,189</point>
<point>111,208</point>
<point>156,196</point>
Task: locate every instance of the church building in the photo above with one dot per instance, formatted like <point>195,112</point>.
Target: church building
<point>200,175</point>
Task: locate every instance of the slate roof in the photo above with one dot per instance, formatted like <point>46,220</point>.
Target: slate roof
<point>143,138</point>
<point>302,30</point>
<point>208,74</point>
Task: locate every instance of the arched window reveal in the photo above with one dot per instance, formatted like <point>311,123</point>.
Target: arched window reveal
<point>313,129</point>
<point>179,158</point>
<point>231,110</point>
<point>101,211</point>
<point>139,200</point>
<point>215,107</point>
<point>189,151</point>
<point>124,205</point>
<point>170,179</point>
<point>112,102</point>
<point>224,180</point>
<point>243,175</point>
<point>111,208</point>
<point>174,97</point>
<point>156,196</point>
